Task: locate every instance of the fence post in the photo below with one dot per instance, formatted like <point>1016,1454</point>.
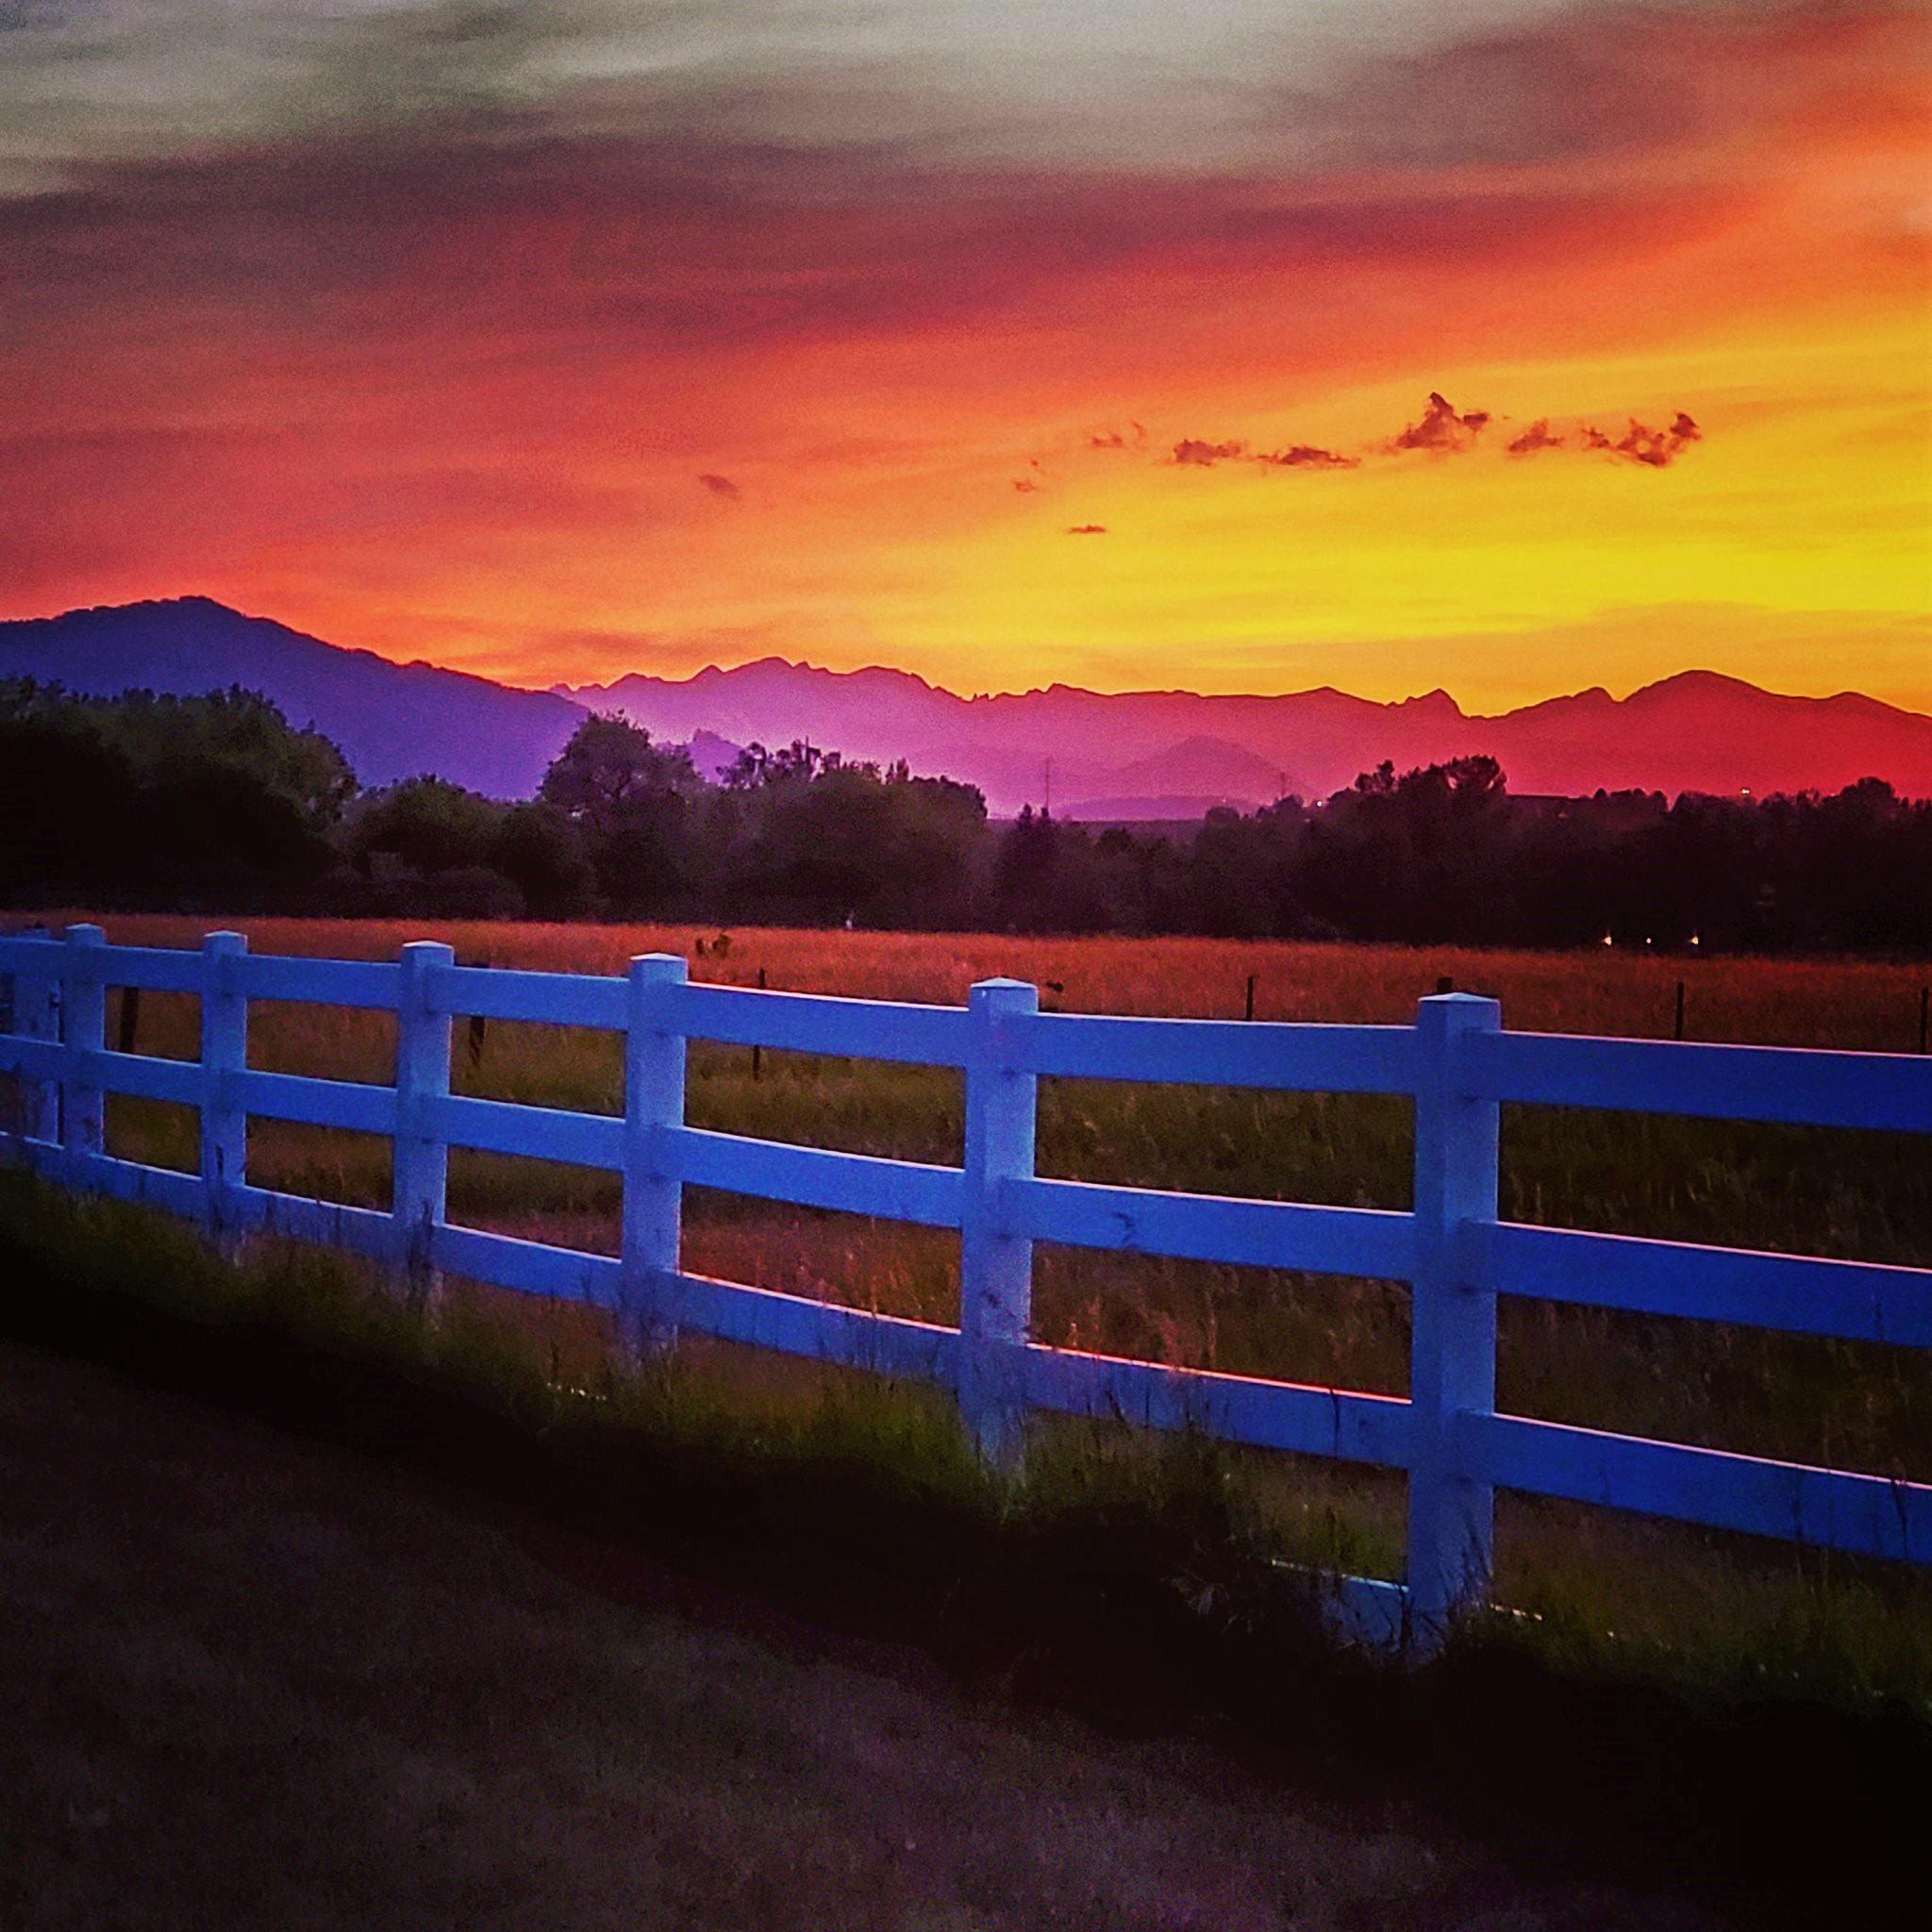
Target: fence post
<point>83,1029</point>
<point>420,1172</point>
<point>653,1053</point>
<point>995,1267</point>
<point>37,1016</point>
<point>223,1058</point>
<point>1452,1320</point>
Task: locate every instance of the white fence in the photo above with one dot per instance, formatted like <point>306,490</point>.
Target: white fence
<point>1456,1063</point>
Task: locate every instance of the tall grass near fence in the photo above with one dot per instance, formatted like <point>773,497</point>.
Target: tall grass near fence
<point>1184,1530</point>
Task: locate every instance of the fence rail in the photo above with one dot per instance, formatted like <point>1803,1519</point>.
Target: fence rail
<point>1456,1065</point>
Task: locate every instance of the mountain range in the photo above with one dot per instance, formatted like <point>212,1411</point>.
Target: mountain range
<point>1133,755</point>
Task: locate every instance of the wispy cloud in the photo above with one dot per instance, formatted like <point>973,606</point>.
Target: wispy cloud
<point>1085,530</point>
<point>720,486</point>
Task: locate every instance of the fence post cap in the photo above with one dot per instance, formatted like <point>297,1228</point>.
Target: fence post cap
<point>1003,992</point>
<point>1456,1013</point>
<point>659,966</point>
<point>224,942</point>
<point>83,968</point>
<point>431,952</point>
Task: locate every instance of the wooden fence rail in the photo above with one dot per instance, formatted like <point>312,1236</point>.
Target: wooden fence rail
<point>1456,1063</point>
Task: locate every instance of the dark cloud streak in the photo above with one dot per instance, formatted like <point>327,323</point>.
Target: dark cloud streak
<point>1657,449</point>
<point>1307,456</point>
<point>1193,453</point>
<point>1440,430</point>
<point>1537,436</point>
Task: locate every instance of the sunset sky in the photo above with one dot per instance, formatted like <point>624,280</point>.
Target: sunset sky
<point>1510,346</point>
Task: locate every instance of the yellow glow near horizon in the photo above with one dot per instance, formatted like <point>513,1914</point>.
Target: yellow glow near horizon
<point>1805,507</point>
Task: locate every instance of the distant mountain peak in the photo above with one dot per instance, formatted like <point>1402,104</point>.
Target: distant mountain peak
<point>392,721</point>
<point>1699,680</point>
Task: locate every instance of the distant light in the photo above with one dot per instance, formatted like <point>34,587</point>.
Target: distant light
<point>1608,941</point>
<point>1743,791</point>
<point>1695,941</point>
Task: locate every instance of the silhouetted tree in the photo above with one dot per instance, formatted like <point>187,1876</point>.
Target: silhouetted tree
<point>629,798</point>
<point>809,837</point>
<point>426,825</point>
<point>542,852</point>
<point>139,800</point>
<point>69,806</point>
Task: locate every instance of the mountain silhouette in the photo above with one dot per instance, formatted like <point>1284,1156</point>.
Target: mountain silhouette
<point>392,721</point>
<point>1131,755</point>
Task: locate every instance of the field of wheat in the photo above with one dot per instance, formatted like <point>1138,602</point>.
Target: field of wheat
<point>1863,1195</point>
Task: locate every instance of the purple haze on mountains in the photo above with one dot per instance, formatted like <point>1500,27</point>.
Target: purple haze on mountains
<point>1696,731</point>
<point>1142,754</point>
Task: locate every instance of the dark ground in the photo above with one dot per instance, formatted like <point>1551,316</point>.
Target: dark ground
<point>253,1680</point>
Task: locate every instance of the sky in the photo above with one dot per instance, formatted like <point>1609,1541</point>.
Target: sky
<point>1504,346</point>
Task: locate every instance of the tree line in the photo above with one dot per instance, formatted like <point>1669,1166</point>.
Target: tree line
<point>218,803</point>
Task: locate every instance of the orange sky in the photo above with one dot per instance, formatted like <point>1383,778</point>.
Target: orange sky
<point>529,343</point>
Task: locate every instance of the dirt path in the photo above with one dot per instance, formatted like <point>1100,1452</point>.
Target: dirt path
<point>248,1681</point>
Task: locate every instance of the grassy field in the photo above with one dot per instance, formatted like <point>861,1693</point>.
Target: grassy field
<point>1867,1196</point>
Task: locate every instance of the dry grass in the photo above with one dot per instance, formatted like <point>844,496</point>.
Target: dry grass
<point>1869,1006</point>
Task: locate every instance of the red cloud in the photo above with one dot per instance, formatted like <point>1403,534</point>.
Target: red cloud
<point>1656,448</point>
<point>1308,455</point>
<point>1535,437</point>
<point>1190,451</point>
<point>1442,429</point>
